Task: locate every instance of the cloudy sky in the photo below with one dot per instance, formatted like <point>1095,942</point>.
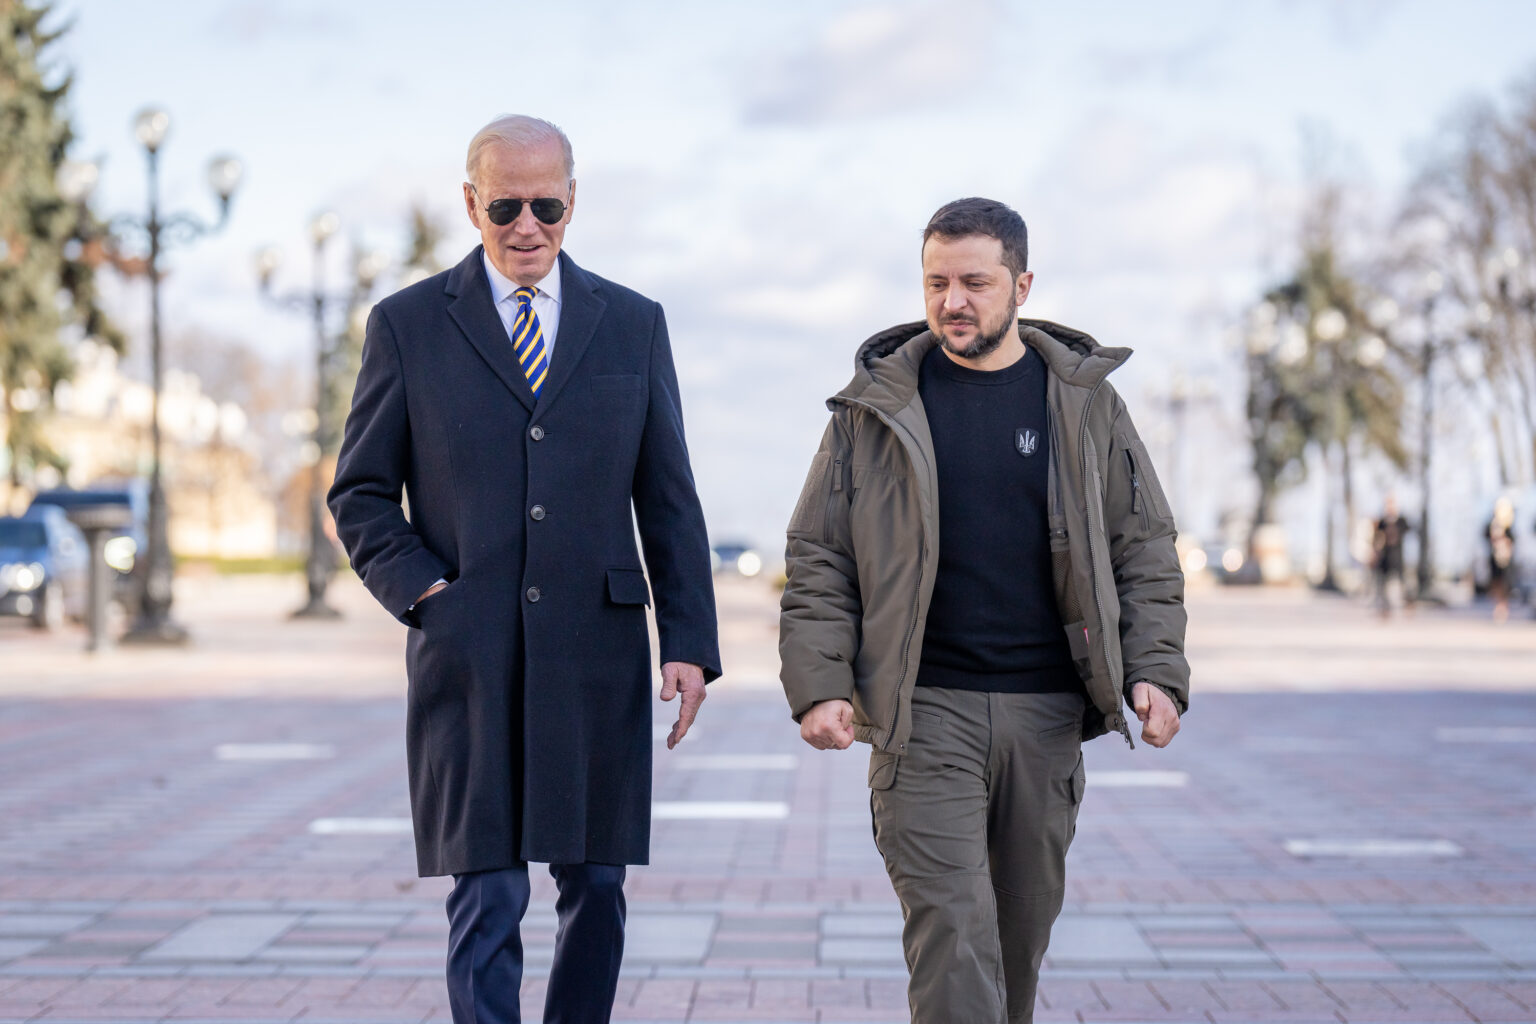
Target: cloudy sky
<point>764,169</point>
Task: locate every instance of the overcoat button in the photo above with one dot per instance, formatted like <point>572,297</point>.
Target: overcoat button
<point>536,432</point>
<point>533,595</point>
<point>537,512</point>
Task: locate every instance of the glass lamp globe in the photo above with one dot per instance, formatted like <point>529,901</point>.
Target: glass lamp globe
<point>224,174</point>
<point>150,127</point>
<point>324,226</point>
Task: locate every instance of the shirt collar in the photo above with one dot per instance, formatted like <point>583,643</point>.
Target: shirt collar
<point>502,286</point>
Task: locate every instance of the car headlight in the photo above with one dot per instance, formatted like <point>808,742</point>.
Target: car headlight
<point>749,564</point>
<point>22,578</point>
<point>119,553</point>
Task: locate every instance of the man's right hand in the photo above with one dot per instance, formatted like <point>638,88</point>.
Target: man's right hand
<point>828,725</point>
<point>434,588</point>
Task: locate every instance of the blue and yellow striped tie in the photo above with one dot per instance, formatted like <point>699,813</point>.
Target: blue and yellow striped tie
<point>528,340</point>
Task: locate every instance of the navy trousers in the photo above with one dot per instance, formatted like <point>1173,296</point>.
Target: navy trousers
<point>485,947</point>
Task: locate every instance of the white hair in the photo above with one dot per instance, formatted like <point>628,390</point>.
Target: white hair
<point>519,132</point>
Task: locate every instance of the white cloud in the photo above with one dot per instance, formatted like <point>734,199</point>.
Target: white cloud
<point>878,59</point>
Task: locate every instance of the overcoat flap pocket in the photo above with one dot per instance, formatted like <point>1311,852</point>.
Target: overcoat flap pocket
<point>628,586</point>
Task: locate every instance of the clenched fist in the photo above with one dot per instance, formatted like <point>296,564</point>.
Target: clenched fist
<point>828,725</point>
<point>1159,717</point>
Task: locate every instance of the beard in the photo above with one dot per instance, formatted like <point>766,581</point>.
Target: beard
<point>988,336</point>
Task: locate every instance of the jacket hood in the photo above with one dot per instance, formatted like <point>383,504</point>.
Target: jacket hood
<point>885,370</point>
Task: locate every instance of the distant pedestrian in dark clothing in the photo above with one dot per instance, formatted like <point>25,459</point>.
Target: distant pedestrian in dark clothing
<point>1501,556</point>
<point>1387,544</point>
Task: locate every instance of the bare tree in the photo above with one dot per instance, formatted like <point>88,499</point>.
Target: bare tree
<point>1479,186</point>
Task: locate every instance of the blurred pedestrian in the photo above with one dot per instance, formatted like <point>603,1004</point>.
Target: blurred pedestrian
<point>981,568</point>
<point>1387,555</point>
<point>1500,535</point>
<point>525,406</point>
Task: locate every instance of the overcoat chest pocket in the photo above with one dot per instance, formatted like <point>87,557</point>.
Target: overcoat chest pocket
<point>628,586</point>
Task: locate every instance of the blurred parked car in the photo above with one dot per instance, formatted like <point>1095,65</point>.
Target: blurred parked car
<point>44,567</point>
<point>123,548</point>
<point>738,558</point>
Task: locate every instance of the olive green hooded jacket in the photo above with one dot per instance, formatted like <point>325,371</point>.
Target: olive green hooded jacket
<point>863,541</point>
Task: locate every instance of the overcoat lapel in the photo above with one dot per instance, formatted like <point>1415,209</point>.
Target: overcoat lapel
<point>581,309</point>
<point>474,310</point>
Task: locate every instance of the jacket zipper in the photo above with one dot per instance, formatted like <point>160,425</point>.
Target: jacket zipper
<point>922,561</point>
<point>1093,571</point>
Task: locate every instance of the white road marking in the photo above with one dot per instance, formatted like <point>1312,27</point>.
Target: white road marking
<point>274,751</point>
<point>719,810</point>
<point>360,826</point>
<point>1138,780</point>
<point>1486,734</point>
<point>1372,848</point>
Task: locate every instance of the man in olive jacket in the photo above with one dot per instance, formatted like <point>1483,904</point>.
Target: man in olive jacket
<point>981,570</point>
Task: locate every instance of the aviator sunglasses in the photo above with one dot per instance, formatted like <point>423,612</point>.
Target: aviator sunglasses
<point>504,211</point>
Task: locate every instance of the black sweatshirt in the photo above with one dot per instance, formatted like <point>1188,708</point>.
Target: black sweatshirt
<point>993,624</point>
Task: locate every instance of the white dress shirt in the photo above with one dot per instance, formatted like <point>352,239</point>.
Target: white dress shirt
<point>546,302</point>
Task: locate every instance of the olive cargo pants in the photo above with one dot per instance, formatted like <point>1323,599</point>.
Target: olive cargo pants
<point>973,822</point>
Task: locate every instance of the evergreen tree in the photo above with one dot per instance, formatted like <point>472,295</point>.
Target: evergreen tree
<point>49,246</point>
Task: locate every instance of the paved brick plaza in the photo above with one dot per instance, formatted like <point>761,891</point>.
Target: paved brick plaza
<point>1344,831</point>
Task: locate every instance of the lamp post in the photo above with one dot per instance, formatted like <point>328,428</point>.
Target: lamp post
<point>1432,284</point>
<point>1517,299</point>
<point>1329,326</point>
<point>153,623</point>
<point>320,566</point>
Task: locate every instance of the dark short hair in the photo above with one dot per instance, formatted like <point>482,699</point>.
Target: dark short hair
<point>976,216</point>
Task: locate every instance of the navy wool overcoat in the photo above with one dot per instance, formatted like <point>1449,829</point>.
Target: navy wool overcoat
<point>528,729</point>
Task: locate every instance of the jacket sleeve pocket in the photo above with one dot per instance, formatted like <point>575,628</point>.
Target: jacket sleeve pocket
<point>810,510</point>
<point>1147,477</point>
<point>628,586</point>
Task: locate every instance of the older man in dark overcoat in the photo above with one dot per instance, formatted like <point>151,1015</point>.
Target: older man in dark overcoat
<point>525,406</point>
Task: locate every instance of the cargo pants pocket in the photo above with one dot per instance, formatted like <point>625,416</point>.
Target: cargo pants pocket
<point>1078,783</point>
<point>882,769</point>
<point>882,775</point>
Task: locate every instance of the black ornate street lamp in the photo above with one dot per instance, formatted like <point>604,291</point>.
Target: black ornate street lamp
<point>1329,327</point>
<point>321,563</point>
<point>1432,284</point>
<point>153,624</point>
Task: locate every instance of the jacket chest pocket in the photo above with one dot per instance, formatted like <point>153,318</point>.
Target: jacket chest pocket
<point>879,485</point>
<point>618,383</point>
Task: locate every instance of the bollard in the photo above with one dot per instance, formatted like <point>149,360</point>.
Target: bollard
<point>99,523</point>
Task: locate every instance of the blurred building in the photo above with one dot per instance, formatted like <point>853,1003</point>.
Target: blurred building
<point>221,504</point>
